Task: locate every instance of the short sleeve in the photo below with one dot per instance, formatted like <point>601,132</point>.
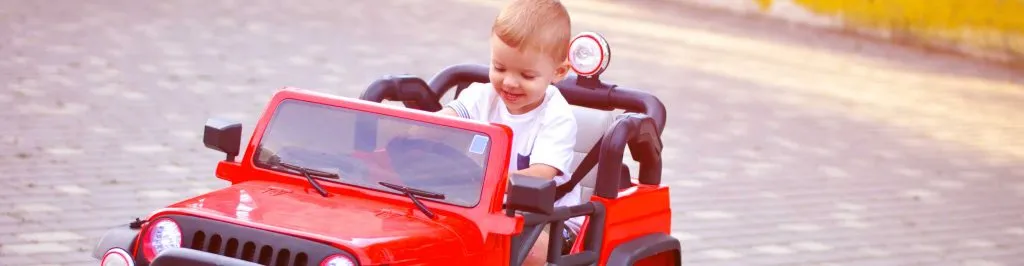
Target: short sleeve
<point>470,101</point>
<point>555,140</point>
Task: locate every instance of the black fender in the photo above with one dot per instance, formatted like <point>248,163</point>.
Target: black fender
<point>630,252</point>
<point>122,236</point>
<point>191,257</point>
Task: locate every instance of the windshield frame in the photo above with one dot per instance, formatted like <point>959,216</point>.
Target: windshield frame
<point>498,135</point>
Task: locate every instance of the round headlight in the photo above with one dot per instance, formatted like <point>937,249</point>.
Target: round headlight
<point>117,257</point>
<point>589,54</point>
<point>164,234</point>
<point>337,260</point>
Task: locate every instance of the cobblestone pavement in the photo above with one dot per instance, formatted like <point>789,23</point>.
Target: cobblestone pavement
<point>784,146</point>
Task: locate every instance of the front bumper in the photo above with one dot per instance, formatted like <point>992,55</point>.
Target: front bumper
<point>185,256</point>
<point>211,242</point>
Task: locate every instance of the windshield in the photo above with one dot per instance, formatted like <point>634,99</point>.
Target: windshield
<point>365,149</point>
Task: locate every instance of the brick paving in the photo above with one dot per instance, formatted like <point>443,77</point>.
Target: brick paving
<point>784,146</point>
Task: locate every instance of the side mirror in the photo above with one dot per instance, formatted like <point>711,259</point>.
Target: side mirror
<point>531,194</point>
<point>223,135</point>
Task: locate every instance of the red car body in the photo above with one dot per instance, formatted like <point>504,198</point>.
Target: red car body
<point>376,227</point>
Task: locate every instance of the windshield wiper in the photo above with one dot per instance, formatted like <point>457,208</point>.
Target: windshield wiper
<point>309,173</point>
<point>412,193</point>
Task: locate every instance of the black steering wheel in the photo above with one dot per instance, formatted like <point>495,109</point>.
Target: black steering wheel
<point>432,163</point>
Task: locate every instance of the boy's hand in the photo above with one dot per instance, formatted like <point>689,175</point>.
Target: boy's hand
<point>422,132</point>
<point>447,111</point>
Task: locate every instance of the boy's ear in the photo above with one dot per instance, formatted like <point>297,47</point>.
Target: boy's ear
<point>562,71</point>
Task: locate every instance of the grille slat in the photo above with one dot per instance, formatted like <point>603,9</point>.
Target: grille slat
<point>283,257</point>
<point>232,249</point>
<point>249,251</point>
<point>266,253</point>
<point>215,244</point>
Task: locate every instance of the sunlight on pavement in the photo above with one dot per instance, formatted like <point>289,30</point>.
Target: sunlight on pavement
<point>963,111</point>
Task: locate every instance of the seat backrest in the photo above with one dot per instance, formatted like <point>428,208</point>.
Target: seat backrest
<point>591,126</point>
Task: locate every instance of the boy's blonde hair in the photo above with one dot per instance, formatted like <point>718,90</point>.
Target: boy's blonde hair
<point>535,25</point>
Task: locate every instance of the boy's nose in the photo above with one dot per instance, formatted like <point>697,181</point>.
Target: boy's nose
<point>510,83</point>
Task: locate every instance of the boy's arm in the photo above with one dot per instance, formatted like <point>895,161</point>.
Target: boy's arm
<point>426,133</point>
<point>465,106</point>
<point>538,170</point>
<point>447,110</point>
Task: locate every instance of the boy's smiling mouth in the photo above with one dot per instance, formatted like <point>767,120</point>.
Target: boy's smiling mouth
<point>511,97</point>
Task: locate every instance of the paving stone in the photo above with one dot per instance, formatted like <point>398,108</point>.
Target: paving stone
<point>17,260</point>
<point>37,207</point>
<point>71,257</point>
<point>6,220</point>
<point>72,189</point>
<point>35,248</point>
<point>52,236</point>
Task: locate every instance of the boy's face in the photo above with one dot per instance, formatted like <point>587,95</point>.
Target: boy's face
<point>521,77</point>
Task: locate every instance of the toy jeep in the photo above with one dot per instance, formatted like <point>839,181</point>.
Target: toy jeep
<point>327,180</point>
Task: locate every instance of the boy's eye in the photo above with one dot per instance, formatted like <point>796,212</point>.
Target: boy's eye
<point>528,77</point>
<point>499,69</point>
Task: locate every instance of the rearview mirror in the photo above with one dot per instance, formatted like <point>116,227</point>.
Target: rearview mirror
<point>223,135</point>
<point>531,194</point>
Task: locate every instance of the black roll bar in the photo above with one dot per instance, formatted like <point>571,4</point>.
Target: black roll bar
<point>460,75</point>
<point>411,90</point>
<point>576,90</point>
<point>639,133</point>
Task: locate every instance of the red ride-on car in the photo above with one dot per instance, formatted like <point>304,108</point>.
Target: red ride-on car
<point>328,180</point>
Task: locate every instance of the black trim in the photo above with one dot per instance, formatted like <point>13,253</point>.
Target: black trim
<point>534,223</point>
<point>122,236</point>
<point>223,135</point>
<point>630,252</point>
<point>191,257</point>
<point>530,194</point>
<point>581,171</point>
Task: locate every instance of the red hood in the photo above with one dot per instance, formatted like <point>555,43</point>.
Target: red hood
<point>385,232</point>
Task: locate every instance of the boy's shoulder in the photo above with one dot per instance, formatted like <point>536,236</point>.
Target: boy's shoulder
<point>556,105</point>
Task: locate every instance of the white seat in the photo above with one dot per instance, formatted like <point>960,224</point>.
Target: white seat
<point>591,126</point>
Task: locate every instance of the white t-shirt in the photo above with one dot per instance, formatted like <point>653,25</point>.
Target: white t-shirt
<point>544,135</point>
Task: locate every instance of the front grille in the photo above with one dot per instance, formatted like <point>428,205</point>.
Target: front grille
<point>250,244</point>
<point>247,251</point>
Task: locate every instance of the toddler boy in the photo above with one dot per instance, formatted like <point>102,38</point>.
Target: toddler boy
<point>529,47</point>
